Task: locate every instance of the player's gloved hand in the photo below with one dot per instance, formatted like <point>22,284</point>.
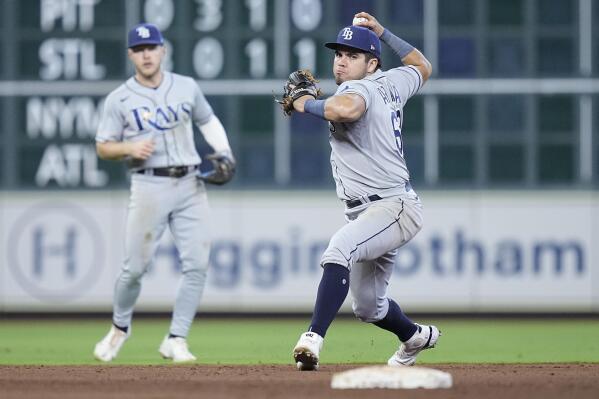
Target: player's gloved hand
<point>300,83</point>
<point>223,170</point>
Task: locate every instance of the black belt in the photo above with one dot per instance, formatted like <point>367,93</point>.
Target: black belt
<point>356,202</point>
<point>172,171</point>
<point>371,198</point>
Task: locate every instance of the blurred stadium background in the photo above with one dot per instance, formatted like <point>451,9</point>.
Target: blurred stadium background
<point>502,145</point>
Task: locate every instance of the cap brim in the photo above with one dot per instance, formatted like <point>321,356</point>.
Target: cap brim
<point>337,46</point>
<point>146,43</point>
<point>341,46</point>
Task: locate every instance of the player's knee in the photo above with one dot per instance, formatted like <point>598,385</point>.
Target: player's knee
<point>365,315</point>
<point>135,268</point>
<point>369,308</point>
<point>365,311</point>
<point>415,222</point>
<point>418,222</point>
<point>196,261</point>
<point>131,275</point>
<point>338,252</point>
<point>195,274</point>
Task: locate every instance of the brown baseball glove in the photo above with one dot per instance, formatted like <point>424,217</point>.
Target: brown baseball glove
<point>300,83</point>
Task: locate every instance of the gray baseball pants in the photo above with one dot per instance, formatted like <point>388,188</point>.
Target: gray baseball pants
<point>367,245</point>
<point>155,202</point>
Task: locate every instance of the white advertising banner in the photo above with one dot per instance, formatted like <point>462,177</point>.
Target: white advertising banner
<point>478,252</point>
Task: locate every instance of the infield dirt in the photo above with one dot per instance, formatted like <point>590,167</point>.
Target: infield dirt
<point>471,381</point>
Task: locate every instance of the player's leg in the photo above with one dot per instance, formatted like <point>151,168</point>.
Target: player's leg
<point>147,217</point>
<point>371,234</point>
<point>190,229</point>
<point>369,282</point>
<point>146,220</point>
<point>374,234</point>
<point>382,227</point>
<point>370,279</point>
<point>332,291</point>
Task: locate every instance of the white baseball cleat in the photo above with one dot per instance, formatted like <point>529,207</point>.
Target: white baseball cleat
<point>307,351</point>
<point>107,349</point>
<point>176,349</point>
<point>424,338</point>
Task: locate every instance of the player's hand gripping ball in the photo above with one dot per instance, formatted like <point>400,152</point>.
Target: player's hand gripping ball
<point>300,83</point>
<point>358,20</point>
<point>223,169</point>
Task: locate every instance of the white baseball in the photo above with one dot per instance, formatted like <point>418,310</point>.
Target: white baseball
<point>358,20</point>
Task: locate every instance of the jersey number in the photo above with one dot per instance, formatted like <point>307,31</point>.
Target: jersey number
<point>397,130</point>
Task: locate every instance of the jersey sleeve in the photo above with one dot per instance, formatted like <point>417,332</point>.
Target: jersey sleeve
<point>112,122</point>
<point>355,87</point>
<point>408,78</point>
<point>202,111</point>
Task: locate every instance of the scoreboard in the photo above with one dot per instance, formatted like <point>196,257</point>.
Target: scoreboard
<point>61,57</point>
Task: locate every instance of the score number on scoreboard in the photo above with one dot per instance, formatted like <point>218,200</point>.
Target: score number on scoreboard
<point>254,30</point>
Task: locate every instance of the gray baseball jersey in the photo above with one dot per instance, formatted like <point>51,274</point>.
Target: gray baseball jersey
<point>367,155</point>
<point>135,112</point>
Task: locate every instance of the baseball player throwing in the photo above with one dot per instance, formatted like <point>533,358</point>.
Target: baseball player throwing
<point>382,210</point>
<point>147,121</point>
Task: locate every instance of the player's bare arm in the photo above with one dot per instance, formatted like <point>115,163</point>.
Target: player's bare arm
<point>114,151</point>
<point>340,108</point>
<point>348,65</point>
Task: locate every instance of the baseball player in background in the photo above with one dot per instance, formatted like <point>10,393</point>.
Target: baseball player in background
<point>382,210</point>
<point>147,121</point>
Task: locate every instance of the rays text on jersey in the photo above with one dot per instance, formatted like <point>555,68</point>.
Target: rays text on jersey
<point>161,118</point>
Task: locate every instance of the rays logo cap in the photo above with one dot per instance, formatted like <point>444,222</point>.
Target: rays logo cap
<point>357,37</point>
<point>144,34</point>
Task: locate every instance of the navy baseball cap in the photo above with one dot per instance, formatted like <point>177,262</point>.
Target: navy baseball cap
<point>357,37</point>
<point>144,34</point>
